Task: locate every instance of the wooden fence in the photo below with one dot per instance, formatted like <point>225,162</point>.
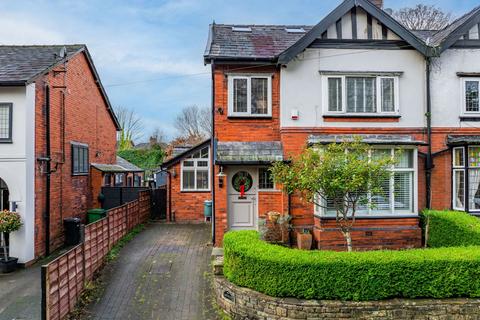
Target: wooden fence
<point>63,279</point>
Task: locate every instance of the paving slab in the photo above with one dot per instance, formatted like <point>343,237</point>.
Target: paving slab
<point>163,273</point>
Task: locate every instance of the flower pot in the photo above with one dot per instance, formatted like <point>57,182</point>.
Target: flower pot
<point>304,241</point>
<point>9,265</point>
<point>273,216</point>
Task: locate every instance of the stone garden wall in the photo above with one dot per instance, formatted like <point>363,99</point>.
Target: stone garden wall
<point>242,303</point>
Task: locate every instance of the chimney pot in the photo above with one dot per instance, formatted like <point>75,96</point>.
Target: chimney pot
<point>378,3</point>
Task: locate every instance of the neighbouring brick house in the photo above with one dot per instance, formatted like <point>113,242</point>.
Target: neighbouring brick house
<point>55,119</point>
<point>279,88</point>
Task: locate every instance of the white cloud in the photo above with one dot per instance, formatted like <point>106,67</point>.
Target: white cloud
<point>20,30</point>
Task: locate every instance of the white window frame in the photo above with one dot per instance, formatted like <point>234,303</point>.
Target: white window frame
<point>258,177</point>
<point>378,105</point>
<point>322,211</point>
<point>464,96</point>
<point>194,169</point>
<point>231,78</point>
<point>459,168</point>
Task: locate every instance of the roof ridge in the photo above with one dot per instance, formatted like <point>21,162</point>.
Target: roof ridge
<point>41,45</point>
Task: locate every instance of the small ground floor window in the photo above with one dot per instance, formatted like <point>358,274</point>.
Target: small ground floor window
<point>466,178</point>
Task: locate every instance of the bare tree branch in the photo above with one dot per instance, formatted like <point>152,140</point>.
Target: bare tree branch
<point>423,17</point>
<point>193,123</point>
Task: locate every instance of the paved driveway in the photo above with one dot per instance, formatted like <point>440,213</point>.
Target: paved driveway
<point>161,274</point>
<point>20,294</point>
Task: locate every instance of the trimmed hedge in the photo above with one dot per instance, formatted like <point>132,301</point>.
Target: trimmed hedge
<point>451,229</point>
<point>360,276</point>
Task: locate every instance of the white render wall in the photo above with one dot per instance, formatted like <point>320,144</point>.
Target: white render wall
<point>301,84</point>
<point>17,166</point>
<point>447,87</point>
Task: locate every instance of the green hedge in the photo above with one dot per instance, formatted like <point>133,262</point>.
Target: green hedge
<point>451,229</point>
<point>360,276</point>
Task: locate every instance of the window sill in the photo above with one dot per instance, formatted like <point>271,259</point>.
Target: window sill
<point>361,118</point>
<point>233,117</point>
<point>6,141</point>
<point>391,216</point>
<point>195,191</point>
<point>470,118</point>
<point>80,174</point>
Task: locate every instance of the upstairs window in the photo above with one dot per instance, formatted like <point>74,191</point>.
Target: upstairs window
<point>362,95</point>
<point>195,171</point>
<point>5,122</point>
<point>80,164</point>
<point>471,95</point>
<point>250,96</point>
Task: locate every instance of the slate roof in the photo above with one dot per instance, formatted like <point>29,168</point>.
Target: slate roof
<point>458,140</point>
<point>377,139</point>
<point>122,165</point>
<point>182,153</point>
<point>263,42</point>
<point>18,64</point>
<point>268,42</point>
<point>249,152</point>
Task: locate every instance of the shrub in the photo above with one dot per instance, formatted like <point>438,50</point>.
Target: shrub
<point>360,276</point>
<point>451,229</point>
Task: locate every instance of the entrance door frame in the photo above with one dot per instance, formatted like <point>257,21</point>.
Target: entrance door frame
<point>231,171</point>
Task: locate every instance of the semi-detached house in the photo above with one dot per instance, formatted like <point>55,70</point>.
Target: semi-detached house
<point>278,89</point>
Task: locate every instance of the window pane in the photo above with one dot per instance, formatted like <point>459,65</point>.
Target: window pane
<point>85,160</point>
<point>474,157</point>
<point>404,159</point>
<point>239,95</point>
<point>335,94</point>
<point>361,95</point>
<point>188,163</point>
<point>202,164</point>
<point>204,153</point>
<point>4,122</point>
<point>459,192</point>
<point>403,184</point>
<point>188,180</point>
<point>75,159</point>
<point>388,97</point>
<point>265,179</point>
<point>458,159</point>
<point>381,154</point>
<point>259,95</point>
<point>471,96</point>
<point>474,190</point>
<point>202,179</point>
<point>381,202</point>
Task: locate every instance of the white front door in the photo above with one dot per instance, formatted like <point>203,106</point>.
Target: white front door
<point>242,198</point>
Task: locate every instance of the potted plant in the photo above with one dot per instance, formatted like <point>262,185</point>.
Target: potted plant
<point>304,239</point>
<point>273,216</point>
<point>9,222</point>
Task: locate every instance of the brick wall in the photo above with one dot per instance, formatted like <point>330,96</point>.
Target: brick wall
<point>84,118</point>
<point>186,206</point>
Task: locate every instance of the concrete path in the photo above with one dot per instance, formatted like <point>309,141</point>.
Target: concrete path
<point>20,294</point>
<point>161,274</point>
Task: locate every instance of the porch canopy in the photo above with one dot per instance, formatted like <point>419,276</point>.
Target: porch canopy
<point>373,139</point>
<point>252,153</point>
<point>453,140</point>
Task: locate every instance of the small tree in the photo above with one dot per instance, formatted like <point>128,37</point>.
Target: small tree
<point>344,175</point>
<point>9,222</point>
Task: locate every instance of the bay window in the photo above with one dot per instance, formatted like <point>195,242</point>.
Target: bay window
<point>466,178</point>
<point>361,94</point>
<point>250,96</point>
<point>399,190</point>
<point>195,171</point>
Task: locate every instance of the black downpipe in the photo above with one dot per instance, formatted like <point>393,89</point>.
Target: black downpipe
<point>429,161</point>
<point>48,170</point>
<point>169,196</point>
<point>212,148</point>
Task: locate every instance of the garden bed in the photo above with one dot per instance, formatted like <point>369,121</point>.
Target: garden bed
<point>277,271</point>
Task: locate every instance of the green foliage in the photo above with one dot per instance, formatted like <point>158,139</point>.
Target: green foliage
<point>9,221</point>
<point>148,159</point>
<point>451,229</point>
<point>359,276</point>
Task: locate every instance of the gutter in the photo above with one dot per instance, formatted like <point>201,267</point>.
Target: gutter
<point>214,152</point>
<point>428,163</point>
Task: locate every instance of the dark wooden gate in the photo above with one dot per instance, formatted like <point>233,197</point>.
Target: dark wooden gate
<point>159,204</point>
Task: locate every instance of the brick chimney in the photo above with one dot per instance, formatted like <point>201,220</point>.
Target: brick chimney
<point>378,3</point>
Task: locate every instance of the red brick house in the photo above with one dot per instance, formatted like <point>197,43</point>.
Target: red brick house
<point>279,88</point>
<point>55,120</point>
